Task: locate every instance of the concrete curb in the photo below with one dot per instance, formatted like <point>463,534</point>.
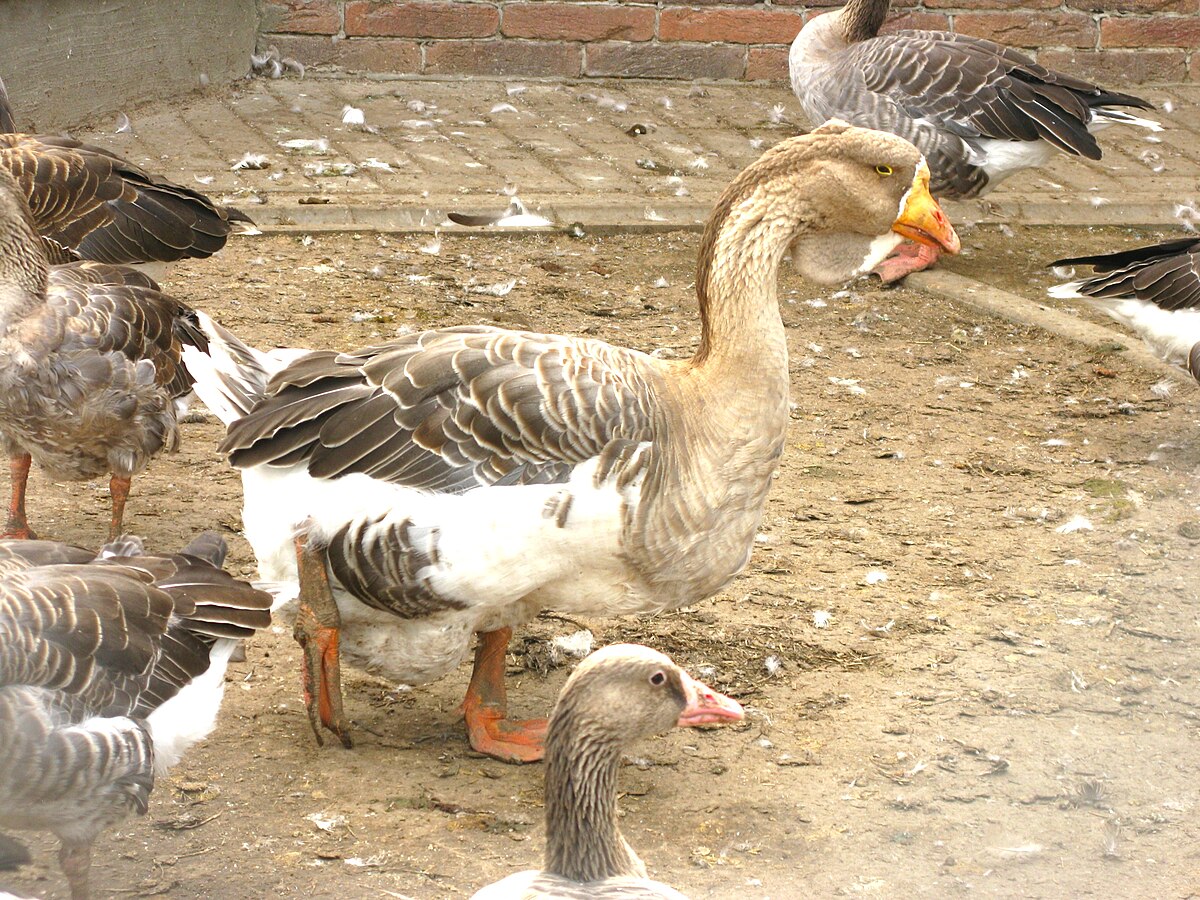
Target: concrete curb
<point>1014,308</point>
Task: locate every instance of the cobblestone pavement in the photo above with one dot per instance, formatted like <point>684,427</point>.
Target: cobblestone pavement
<point>617,154</point>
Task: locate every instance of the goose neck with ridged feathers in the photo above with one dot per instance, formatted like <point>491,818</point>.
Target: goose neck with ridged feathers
<point>617,696</point>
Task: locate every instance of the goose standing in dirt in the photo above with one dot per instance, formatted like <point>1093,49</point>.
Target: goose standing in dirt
<point>109,671</point>
<point>460,480</point>
<point>1154,290</point>
<point>89,203</point>
<point>90,376</point>
<point>978,110</point>
<point>586,855</point>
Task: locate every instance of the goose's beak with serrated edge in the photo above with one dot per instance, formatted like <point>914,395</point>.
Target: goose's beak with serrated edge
<point>922,220</point>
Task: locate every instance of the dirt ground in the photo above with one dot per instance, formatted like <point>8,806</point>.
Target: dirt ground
<point>949,693</point>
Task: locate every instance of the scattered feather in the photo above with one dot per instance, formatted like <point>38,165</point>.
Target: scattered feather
<point>373,163</point>
<point>661,282</point>
<point>515,90</point>
<point>314,146</point>
<point>1073,524</point>
<point>203,179</point>
<point>1188,215</point>
<point>251,161</point>
<point>504,108</point>
<point>434,247</point>
<point>773,665</point>
<point>821,618</point>
<point>651,216</point>
<point>326,822</point>
<point>577,645</point>
<point>124,126</point>
<point>875,576</point>
<point>330,169</point>
<point>499,289</point>
<point>352,115</point>
<point>1163,389</point>
<point>775,114</point>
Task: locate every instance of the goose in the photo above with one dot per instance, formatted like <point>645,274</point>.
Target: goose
<point>89,203</point>
<point>978,110</point>
<point>618,695</point>
<point>109,672</point>
<point>1154,290</point>
<point>90,375</point>
<point>460,480</point>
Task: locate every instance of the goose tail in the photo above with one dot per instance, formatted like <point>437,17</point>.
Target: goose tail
<point>229,375</point>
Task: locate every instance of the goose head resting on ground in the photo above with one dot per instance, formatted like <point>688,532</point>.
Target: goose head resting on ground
<point>979,111</point>
<point>617,696</point>
<point>460,480</point>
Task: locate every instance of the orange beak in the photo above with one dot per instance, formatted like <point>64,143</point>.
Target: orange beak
<point>922,220</point>
<point>706,706</point>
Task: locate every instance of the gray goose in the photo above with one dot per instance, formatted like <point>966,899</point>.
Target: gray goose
<point>978,110</point>
<point>90,376</point>
<point>109,671</point>
<point>89,203</point>
<point>587,858</point>
<point>462,479</point>
<point>1154,290</point>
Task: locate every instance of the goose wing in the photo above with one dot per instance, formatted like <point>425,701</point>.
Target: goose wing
<point>114,309</point>
<point>453,409</point>
<point>1165,274</point>
<point>942,91</point>
<point>88,203</point>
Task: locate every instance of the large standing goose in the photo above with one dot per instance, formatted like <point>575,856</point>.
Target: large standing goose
<point>617,696</point>
<point>90,375</point>
<point>109,671</point>
<point>978,110</point>
<point>462,479</point>
<point>89,203</point>
<point>1155,290</point>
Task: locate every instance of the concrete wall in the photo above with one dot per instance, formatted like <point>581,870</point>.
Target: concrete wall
<point>1116,41</point>
<point>66,62</point>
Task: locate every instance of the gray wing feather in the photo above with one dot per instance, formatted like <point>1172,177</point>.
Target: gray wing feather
<point>1165,274</point>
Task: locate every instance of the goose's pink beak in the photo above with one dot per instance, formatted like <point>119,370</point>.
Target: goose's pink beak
<point>706,706</point>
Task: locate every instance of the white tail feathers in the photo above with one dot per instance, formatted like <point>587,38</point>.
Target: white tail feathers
<point>1106,115</point>
<point>191,714</point>
<point>231,377</point>
<point>1066,291</point>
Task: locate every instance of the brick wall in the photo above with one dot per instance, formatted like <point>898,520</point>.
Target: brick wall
<point>1116,42</point>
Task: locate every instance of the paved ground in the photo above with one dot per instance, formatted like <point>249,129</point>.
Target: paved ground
<point>578,152</point>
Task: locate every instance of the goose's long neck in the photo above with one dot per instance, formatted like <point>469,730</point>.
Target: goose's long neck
<point>23,267</point>
<point>860,20</point>
<point>583,842</point>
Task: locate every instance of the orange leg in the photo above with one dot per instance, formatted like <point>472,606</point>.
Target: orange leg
<point>317,628</point>
<point>118,489</point>
<point>906,259</point>
<point>17,526</point>
<point>486,706</point>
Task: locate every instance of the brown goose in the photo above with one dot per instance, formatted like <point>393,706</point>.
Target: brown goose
<point>89,203</point>
<point>90,375</point>
<point>462,479</point>
<point>586,856</point>
<point>1154,290</point>
<point>109,671</point>
<point>979,111</point>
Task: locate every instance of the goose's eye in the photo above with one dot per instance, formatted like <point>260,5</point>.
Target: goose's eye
<point>883,170</point>
<point>658,678</point>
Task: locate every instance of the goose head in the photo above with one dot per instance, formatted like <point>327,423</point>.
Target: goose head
<point>625,692</point>
<point>837,200</point>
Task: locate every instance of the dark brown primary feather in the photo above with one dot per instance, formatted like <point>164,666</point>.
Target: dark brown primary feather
<point>1165,274</point>
<point>450,410</point>
<point>88,203</point>
<point>942,91</point>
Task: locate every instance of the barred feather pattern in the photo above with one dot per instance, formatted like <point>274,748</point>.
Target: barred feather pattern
<point>1165,274</point>
<point>87,651</point>
<point>949,94</point>
<point>89,203</point>
<point>91,379</point>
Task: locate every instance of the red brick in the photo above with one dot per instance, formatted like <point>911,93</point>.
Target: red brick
<point>1137,6</point>
<point>757,26</point>
<point>1001,5</point>
<point>578,21</point>
<point>767,63</point>
<point>922,21</point>
<point>1033,29</point>
<point>1159,31</point>
<point>355,54</point>
<point>1118,68</point>
<point>510,57</point>
<point>664,60</point>
<point>301,16</point>
<point>421,20</point>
